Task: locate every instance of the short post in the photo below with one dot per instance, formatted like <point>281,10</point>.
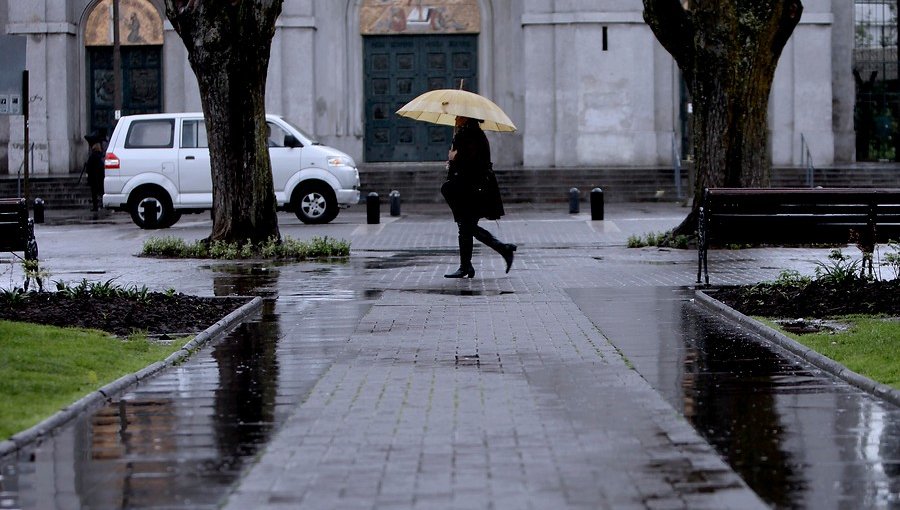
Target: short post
<point>373,209</point>
<point>573,201</point>
<point>395,203</point>
<point>38,210</point>
<point>151,212</point>
<point>597,204</point>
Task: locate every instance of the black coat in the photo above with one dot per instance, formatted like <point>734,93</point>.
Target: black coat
<point>95,168</point>
<point>471,189</point>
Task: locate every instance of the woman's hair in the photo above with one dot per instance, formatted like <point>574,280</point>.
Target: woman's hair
<point>470,122</point>
<point>96,147</point>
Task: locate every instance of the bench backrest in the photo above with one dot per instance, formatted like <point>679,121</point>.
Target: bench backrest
<point>13,224</point>
<point>823,215</point>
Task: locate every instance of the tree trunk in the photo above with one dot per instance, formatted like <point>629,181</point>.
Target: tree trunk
<point>727,51</point>
<point>228,44</point>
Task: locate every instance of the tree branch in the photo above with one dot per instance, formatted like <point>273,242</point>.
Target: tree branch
<point>674,29</point>
<point>790,17</point>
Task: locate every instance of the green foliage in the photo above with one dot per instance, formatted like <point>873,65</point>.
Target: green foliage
<point>44,368</point>
<point>12,297</point>
<point>635,241</point>
<point>841,269</point>
<point>792,278</point>
<point>286,249</point>
<point>106,289</point>
<point>892,259</point>
<point>659,239</point>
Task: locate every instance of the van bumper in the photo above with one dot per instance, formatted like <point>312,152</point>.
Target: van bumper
<point>114,201</point>
<point>347,197</point>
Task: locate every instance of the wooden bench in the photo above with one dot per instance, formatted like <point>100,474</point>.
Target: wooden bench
<point>862,216</point>
<point>16,228</point>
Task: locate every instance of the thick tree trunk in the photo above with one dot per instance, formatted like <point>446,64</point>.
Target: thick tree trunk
<point>727,51</point>
<point>228,44</point>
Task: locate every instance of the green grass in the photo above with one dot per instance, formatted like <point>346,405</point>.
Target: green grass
<point>44,368</point>
<point>871,347</point>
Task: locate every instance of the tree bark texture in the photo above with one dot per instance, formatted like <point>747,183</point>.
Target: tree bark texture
<point>228,44</point>
<point>727,51</point>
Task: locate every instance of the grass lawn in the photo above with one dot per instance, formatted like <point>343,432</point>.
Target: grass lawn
<point>870,347</point>
<point>44,368</point>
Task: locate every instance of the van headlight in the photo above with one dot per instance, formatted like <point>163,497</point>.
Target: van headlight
<point>340,161</point>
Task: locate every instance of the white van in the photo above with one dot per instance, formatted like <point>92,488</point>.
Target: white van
<point>159,163</point>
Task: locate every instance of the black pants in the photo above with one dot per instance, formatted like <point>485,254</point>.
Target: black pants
<point>468,229</point>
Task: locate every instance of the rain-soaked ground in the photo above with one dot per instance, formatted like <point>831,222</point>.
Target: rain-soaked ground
<point>181,439</point>
<point>799,438</point>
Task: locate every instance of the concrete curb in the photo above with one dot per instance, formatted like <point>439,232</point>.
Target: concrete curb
<point>878,390</point>
<point>64,415</point>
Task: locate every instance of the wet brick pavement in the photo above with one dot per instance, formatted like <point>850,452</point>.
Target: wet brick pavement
<point>496,392</point>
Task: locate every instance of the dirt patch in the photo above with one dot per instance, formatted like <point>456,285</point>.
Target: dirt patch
<point>157,314</point>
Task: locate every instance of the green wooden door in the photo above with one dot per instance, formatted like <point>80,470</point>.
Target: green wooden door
<point>141,84</point>
<point>397,69</point>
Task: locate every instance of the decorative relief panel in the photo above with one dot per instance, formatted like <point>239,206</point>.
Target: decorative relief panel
<point>139,23</point>
<point>385,17</point>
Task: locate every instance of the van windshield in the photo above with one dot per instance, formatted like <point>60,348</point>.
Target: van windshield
<point>308,138</point>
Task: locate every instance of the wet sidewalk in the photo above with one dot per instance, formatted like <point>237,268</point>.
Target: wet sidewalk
<point>584,378</point>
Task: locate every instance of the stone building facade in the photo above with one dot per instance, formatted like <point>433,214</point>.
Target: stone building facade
<point>584,80</point>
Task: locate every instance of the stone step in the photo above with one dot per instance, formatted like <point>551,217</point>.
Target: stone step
<point>421,182</point>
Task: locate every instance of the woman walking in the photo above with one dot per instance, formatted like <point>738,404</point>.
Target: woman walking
<point>472,193</point>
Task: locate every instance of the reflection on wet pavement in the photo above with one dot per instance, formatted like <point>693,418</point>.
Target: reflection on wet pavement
<point>798,437</point>
<point>181,439</point>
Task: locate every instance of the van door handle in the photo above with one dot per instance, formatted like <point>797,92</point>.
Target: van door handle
<point>189,157</point>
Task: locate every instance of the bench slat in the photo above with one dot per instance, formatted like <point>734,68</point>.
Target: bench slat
<point>797,216</point>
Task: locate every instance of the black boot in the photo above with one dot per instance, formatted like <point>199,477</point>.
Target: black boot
<point>507,251</point>
<point>462,272</point>
<point>465,255</point>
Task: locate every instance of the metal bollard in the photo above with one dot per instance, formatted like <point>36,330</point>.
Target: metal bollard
<point>151,214</point>
<point>597,204</point>
<point>395,202</point>
<point>38,210</point>
<point>373,209</point>
<point>573,201</point>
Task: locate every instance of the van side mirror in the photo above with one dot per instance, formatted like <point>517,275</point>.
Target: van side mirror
<point>291,141</point>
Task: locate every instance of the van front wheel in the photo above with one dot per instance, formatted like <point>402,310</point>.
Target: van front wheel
<point>315,203</point>
<point>152,209</point>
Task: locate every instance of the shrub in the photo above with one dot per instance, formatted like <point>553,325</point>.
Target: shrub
<point>841,269</point>
<point>286,249</point>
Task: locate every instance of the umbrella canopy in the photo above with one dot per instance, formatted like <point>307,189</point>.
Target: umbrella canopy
<point>442,106</point>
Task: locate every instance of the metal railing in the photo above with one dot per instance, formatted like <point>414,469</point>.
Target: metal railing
<point>806,162</point>
<point>676,165</point>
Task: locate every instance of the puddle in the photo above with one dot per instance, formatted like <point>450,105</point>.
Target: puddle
<point>181,439</point>
<point>811,326</point>
<point>798,437</point>
<point>460,292</point>
<point>403,259</point>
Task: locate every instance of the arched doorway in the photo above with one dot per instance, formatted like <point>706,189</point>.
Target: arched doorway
<point>140,47</point>
<point>410,47</point>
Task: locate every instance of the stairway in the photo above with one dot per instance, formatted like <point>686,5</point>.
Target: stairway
<point>421,182</point>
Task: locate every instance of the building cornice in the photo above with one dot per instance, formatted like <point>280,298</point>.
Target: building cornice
<point>41,28</point>
<point>308,22</point>
<point>633,17</point>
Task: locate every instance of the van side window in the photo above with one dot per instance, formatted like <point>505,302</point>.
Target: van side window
<point>275,135</point>
<point>150,134</point>
<point>193,135</point>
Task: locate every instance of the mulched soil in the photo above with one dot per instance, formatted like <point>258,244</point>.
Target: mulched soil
<point>817,300</point>
<point>181,314</point>
<point>158,314</point>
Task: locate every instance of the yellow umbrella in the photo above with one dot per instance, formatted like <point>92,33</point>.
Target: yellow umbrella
<point>442,106</point>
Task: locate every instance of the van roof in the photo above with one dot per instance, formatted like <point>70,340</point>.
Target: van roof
<point>178,115</point>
